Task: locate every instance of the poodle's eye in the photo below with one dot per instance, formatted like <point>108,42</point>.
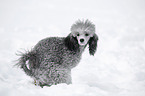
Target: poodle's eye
<point>86,34</point>
<point>78,34</point>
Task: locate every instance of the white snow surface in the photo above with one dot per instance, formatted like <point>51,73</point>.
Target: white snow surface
<point>118,67</point>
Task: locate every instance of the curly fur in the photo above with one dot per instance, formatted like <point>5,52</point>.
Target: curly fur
<point>51,60</point>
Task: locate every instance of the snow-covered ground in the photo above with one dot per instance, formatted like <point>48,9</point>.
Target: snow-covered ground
<point>118,67</point>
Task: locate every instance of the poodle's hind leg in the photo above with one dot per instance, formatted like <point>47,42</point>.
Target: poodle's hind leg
<point>42,85</point>
<point>38,83</point>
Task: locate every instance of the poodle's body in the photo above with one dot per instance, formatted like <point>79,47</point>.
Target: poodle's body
<point>51,60</point>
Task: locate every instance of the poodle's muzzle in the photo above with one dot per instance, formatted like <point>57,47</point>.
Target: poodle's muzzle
<point>83,39</point>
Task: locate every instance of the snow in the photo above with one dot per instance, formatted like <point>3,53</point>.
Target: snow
<point>118,67</point>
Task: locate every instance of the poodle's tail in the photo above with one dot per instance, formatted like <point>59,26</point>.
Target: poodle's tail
<point>22,62</point>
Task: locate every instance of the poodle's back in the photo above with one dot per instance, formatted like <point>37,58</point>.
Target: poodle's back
<point>53,49</point>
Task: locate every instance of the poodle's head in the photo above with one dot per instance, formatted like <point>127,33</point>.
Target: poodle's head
<point>83,33</point>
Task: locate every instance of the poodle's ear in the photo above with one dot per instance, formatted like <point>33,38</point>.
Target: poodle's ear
<point>71,43</point>
<point>93,44</point>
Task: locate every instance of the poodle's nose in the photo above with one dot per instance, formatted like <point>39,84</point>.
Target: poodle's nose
<point>81,40</point>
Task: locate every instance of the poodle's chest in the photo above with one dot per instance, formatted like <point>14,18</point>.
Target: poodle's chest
<point>71,60</point>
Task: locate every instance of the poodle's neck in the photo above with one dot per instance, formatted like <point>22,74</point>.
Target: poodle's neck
<point>82,48</point>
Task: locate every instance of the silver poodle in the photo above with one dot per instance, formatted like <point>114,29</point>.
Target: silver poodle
<point>51,60</point>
